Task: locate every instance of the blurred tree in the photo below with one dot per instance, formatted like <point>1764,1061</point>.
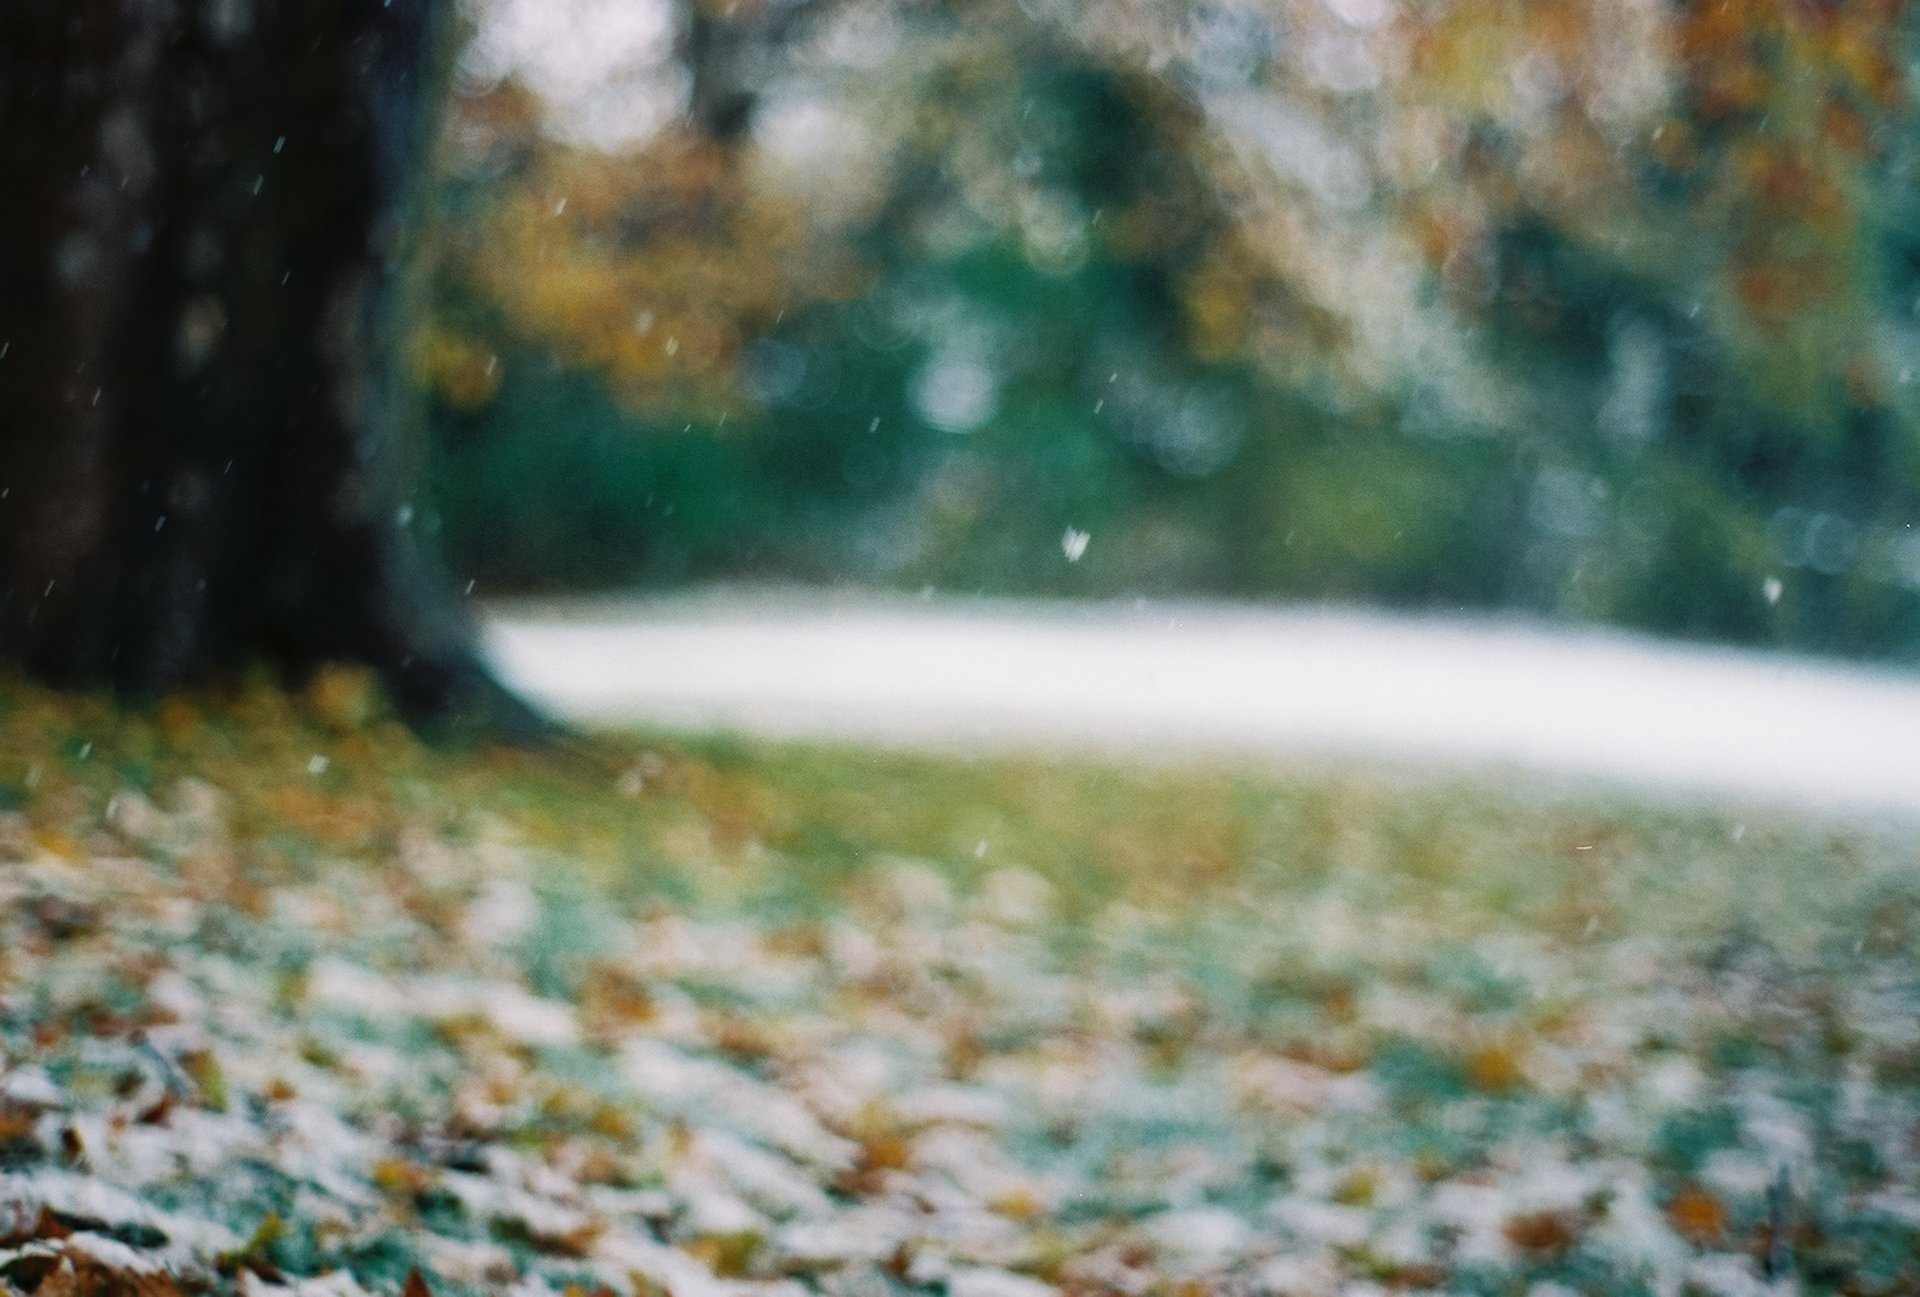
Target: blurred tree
<point>207,230</point>
<point>1597,309</point>
<point>1683,228</point>
<point>820,286</point>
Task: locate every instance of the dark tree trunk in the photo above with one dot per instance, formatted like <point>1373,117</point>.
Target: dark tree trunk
<point>731,52</point>
<point>204,414</point>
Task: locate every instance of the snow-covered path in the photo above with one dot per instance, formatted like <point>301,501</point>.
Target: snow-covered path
<point>1577,706</point>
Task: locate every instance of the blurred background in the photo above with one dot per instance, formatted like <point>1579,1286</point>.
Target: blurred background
<point>1601,309</point>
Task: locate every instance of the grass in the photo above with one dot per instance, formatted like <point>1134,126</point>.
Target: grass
<point>591,1017</point>
<point>719,818</point>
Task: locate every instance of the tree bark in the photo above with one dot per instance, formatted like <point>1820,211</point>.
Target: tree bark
<point>204,284</point>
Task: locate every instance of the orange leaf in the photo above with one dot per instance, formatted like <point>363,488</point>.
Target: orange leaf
<point>1697,1216</point>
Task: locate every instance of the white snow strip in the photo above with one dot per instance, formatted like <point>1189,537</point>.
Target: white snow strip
<point>1454,693</point>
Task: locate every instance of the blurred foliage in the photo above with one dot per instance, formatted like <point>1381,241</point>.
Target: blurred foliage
<point>1601,310</point>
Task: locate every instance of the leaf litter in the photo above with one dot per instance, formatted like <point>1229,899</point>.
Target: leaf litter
<point>442,1068</point>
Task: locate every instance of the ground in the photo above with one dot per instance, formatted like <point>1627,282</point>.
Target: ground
<point>289,1002</point>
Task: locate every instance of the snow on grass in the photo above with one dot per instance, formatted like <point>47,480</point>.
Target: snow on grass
<point>249,1043</point>
<point>924,1093</point>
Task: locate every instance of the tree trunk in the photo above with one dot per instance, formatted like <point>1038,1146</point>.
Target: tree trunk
<point>730,51</point>
<point>204,410</point>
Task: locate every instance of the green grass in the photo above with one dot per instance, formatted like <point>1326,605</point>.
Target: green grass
<point>720,819</point>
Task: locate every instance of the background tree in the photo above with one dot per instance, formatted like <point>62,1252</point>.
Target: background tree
<point>203,404</point>
<point>1600,310</point>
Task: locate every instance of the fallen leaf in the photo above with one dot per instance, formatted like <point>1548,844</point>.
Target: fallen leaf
<point>1546,1233</point>
<point>1697,1216</point>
